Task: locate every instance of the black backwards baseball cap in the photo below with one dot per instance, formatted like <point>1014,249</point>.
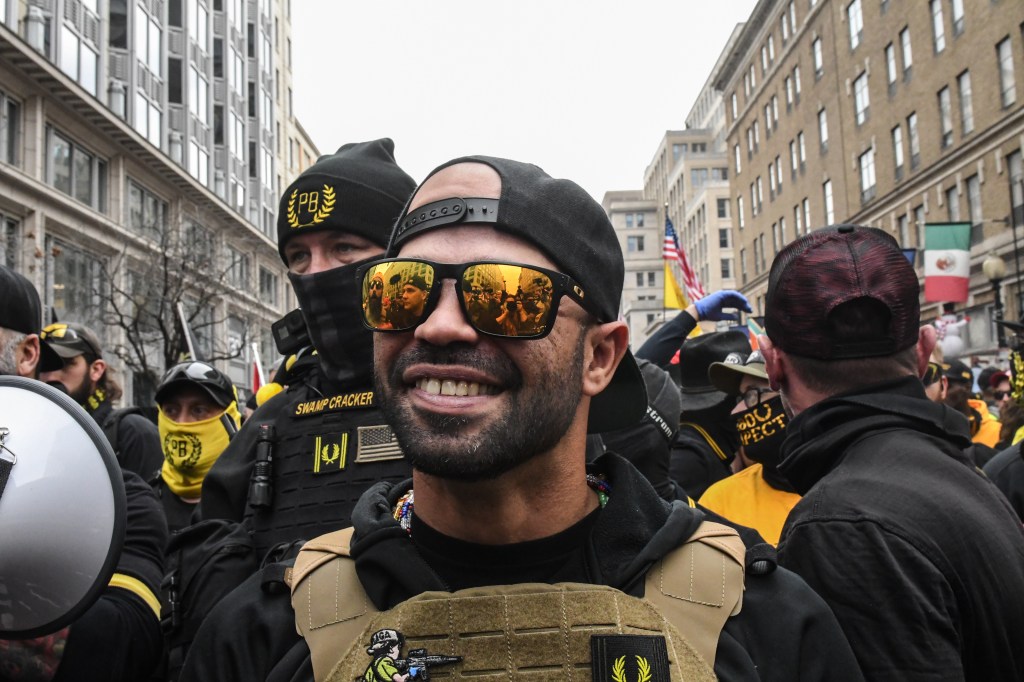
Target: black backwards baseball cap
<point>21,311</point>
<point>815,274</point>
<point>563,221</point>
<point>70,340</point>
<point>697,356</point>
<point>359,189</point>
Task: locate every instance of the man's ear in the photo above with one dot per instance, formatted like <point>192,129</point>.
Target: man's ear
<point>96,370</point>
<point>926,340</point>
<point>27,357</point>
<point>609,342</point>
<point>774,365</point>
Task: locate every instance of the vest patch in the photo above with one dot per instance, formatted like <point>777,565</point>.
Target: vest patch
<point>376,444</point>
<point>336,403</point>
<point>628,658</point>
<point>330,452</point>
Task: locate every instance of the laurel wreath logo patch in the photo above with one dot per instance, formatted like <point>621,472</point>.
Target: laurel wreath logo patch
<point>319,203</point>
<point>619,669</point>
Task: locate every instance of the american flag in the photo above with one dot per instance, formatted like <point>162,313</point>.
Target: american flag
<point>674,253</point>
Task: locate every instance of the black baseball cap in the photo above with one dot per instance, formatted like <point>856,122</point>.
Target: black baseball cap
<point>202,375</point>
<point>562,220</point>
<point>959,372</point>
<point>21,311</point>
<point>359,189</point>
<point>817,273</point>
<point>70,340</point>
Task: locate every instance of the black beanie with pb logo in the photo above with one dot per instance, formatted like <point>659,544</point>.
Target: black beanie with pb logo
<point>358,189</point>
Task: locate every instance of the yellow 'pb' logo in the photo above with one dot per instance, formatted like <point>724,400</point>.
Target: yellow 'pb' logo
<point>183,449</point>
<point>318,203</point>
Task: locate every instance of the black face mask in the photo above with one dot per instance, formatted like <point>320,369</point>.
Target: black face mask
<point>761,430</point>
<point>330,303</point>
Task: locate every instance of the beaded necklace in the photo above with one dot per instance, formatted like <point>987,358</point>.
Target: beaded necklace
<point>403,510</point>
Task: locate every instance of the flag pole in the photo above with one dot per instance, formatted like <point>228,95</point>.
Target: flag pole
<point>259,363</point>
<point>187,331</point>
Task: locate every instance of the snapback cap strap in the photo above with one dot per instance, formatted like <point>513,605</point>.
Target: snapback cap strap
<point>448,211</point>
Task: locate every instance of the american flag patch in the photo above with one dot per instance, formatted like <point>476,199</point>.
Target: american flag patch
<point>376,444</point>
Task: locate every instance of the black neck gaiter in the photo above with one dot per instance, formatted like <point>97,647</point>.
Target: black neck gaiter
<point>331,305</point>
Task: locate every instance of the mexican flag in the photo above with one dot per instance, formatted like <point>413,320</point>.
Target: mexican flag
<point>947,261</point>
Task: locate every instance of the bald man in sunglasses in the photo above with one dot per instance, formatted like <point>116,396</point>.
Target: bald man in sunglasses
<point>505,552</point>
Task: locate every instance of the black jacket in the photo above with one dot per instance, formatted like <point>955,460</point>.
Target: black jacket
<point>135,439</point>
<point>118,639</point>
<point>918,555</point>
<point>781,633</point>
<point>1006,470</point>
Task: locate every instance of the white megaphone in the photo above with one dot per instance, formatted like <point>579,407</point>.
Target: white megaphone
<point>62,509</point>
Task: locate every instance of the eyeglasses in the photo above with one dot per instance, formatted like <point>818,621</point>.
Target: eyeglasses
<point>496,275</point>
<point>62,334</point>
<point>377,284</point>
<point>752,396</point>
<point>999,395</point>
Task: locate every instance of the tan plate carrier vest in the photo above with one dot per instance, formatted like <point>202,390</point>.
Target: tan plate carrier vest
<point>533,631</point>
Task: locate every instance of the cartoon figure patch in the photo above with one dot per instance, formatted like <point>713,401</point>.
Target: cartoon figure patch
<point>385,648</point>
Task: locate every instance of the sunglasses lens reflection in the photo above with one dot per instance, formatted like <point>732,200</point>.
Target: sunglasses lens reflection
<point>521,307</point>
<point>395,294</point>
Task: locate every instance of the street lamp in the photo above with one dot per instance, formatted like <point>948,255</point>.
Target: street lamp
<point>995,270</point>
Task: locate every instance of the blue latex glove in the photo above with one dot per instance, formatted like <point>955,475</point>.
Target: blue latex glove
<point>710,307</point>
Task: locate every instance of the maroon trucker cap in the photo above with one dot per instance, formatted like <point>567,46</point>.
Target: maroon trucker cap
<point>815,274</point>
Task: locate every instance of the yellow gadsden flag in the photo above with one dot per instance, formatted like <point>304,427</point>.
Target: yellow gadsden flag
<point>674,297</point>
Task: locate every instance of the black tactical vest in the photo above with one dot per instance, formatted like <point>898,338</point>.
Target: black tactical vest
<point>328,450</point>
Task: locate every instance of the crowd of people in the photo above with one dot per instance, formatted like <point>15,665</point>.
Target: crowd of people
<point>468,472</point>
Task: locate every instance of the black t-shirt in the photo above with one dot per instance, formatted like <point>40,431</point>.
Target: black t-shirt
<point>460,564</point>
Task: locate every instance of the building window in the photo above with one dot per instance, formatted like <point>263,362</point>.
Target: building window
<point>974,208</point>
<point>268,287</point>
<point>735,107</point>
<point>915,141</point>
<point>819,60</point>
<point>796,82</point>
<point>764,266</point>
<point>958,16</point>
<point>789,92</point>
<point>807,214</point>
<point>78,59</point>
<point>771,49</point>
<point>945,117</point>
<point>147,213</point>
<point>803,149</point>
<point>757,255</point>
<point>856,21</point>
<point>75,171</point>
<point>771,180</point>
<point>792,16</point>
<point>866,161</point>
<point>651,279</point>
<point>778,172</point>
<point>639,219</point>
<point>629,220</point>
<point>908,55</point>
<point>10,129</point>
<point>953,204</point>
<point>634,244</point>
<point>1007,83</point>
<point>723,237</point>
<point>753,78</point>
<point>764,59</point>
<point>830,216</point>
<point>861,99</point>
<point>963,82</point>
<point>736,153</point>
<point>919,222</point>
<point>147,119</point>
<point>890,66</point>
<point>739,212</point>
<point>784,28</point>
<point>8,241</point>
<point>77,285</point>
<point>823,130</point>
<point>897,151</point>
<point>938,29</point>
<point>639,279</point>
<point>797,223</point>
<point>147,32</point>
<point>792,158</point>
<point>722,205</point>
<point>198,162</point>
<point>760,194</point>
<point>903,227</point>
<point>238,268</point>
<point>743,265</point>
<point>726,268</point>
<point>753,200</point>
<point>198,95</point>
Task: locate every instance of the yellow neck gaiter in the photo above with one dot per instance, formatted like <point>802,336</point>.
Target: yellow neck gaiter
<point>191,449</point>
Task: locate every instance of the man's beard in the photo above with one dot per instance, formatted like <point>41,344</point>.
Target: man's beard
<point>533,421</point>
<point>82,392</point>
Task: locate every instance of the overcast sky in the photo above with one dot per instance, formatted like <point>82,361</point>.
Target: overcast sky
<point>583,88</point>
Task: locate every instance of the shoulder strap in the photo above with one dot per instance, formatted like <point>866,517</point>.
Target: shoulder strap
<point>330,605</point>
<point>696,587</point>
<point>699,585</point>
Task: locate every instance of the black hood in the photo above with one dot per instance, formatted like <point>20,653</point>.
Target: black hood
<point>635,529</point>
<point>820,435</point>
